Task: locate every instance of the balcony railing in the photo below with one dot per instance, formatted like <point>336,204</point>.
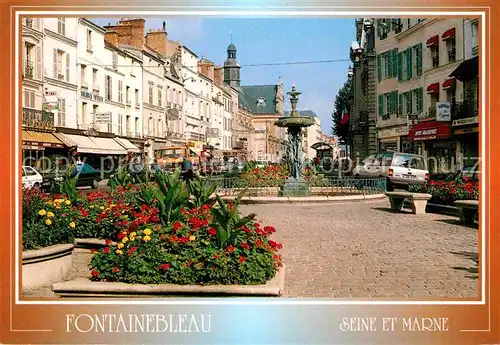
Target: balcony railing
<point>86,94</point>
<point>435,61</point>
<point>28,69</point>
<point>463,110</point>
<point>452,55</point>
<point>37,119</point>
<point>475,50</point>
<point>96,97</point>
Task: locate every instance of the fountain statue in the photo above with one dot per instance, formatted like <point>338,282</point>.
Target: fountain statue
<point>295,185</point>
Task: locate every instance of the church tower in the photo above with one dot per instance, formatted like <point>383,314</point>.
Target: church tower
<point>232,67</point>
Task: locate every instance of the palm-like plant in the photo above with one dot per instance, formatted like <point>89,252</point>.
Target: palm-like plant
<point>171,195</point>
<point>201,190</point>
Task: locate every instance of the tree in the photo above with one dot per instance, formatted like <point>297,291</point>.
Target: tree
<point>343,101</point>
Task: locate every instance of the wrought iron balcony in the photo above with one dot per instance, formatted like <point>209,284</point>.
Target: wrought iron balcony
<point>96,97</point>
<point>475,51</point>
<point>463,110</point>
<point>86,94</point>
<point>37,119</point>
<point>28,70</point>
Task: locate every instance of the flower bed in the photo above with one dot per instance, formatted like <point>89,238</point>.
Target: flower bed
<point>270,176</point>
<point>447,192</point>
<point>165,233</point>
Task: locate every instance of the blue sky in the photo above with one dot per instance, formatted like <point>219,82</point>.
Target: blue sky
<point>273,40</point>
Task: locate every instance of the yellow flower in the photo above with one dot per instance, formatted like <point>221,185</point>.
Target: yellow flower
<point>119,252</point>
<point>68,202</point>
<point>147,232</point>
<point>139,237</point>
<point>48,221</point>
<point>112,205</point>
<point>50,214</point>
<point>125,240</point>
<point>133,234</point>
<point>72,225</point>
<point>120,245</point>
<point>91,206</point>
<point>147,238</point>
<point>101,208</point>
<point>42,213</point>
<point>192,238</point>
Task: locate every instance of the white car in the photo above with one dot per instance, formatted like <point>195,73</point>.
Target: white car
<point>31,177</point>
<point>400,169</point>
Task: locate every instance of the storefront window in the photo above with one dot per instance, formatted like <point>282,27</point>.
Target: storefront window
<point>441,158</point>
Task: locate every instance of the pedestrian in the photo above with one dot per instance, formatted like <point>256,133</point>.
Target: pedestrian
<point>187,169</point>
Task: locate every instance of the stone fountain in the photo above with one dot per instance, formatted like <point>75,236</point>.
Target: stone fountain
<point>295,185</point>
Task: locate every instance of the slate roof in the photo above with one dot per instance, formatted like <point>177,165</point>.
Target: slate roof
<point>249,98</point>
<point>303,113</point>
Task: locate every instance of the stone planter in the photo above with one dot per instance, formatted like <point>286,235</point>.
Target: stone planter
<point>87,288</point>
<point>46,266</point>
<point>88,244</point>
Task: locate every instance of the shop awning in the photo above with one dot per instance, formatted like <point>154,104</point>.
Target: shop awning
<point>449,84</point>
<point>84,144</point>
<point>127,145</point>
<point>448,34</point>
<point>467,70</point>
<point>433,41</point>
<point>433,88</point>
<point>110,145</point>
<point>431,130</point>
<point>40,140</point>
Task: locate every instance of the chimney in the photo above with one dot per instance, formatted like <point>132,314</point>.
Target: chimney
<point>206,68</point>
<point>130,32</point>
<point>219,75</point>
<point>112,37</point>
<point>158,40</point>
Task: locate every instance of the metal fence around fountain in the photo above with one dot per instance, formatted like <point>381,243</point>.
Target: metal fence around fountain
<point>327,185</point>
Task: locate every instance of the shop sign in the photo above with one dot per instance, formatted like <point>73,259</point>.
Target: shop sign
<point>102,118</point>
<point>466,121</point>
<point>443,111</point>
<point>466,130</point>
<point>392,132</point>
<point>50,106</point>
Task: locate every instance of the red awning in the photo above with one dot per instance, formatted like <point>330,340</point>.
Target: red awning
<point>450,33</point>
<point>433,88</point>
<point>449,84</point>
<point>433,41</point>
<point>429,131</point>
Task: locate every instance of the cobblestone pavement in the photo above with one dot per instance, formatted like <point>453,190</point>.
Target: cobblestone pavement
<point>362,249</point>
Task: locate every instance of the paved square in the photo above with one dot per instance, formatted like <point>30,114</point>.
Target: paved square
<point>362,249</point>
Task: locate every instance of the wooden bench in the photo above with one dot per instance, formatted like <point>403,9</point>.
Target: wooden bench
<point>467,210</point>
<point>418,201</point>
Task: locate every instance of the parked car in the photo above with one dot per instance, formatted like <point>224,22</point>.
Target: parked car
<point>400,169</point>
<point>31,177</point>
<point>86,176</point>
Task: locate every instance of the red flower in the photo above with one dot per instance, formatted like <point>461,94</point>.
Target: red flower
<point>269,229</point>
<point>108,242</point>
<point>155,219</point>
<point>164,267</point>
<point>92,251</point>
<point>230,248</point>
<point>195,223</point>
<point>106,250</point>
<point>212,231</point>
<point>184,239</point>
<point>120,236</point>
<point>204,222</point>
<point>259,243</point>
<point>116,270</point>
<point>173,239</point>
<point>205,207</point>
<point>242,259</point>
<point>245,245</point>
<point>132,250</point>
<point>257,225</point>
<point>94,273</point>
<point>176,226</point>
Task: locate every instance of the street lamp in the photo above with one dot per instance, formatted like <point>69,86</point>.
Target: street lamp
<point>350,72</point>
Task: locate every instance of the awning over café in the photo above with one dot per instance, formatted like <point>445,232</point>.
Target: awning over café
<point>433,88</point>
<point>448,34</point>
<point>96,145</point>
<point>431,130</point>
<point>127,145</point>
<point>467,70</point>
<point>433,41</point>
<point>40,140</point>
<point>449,84</point>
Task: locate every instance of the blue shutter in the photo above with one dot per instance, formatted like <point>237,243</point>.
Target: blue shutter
<point>419,59</point>
<point>408,63</point>
<point>380,105</point>
<point>400,67</point>
<point>379,67</point>
<point>388,73</point>
<point>420,99</point>
<point>400,105</point>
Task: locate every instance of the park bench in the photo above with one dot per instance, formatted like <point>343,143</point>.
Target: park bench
<point>418,201</point>
<point>467,210</point>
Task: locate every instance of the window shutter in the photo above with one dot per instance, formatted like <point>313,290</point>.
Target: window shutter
<point>379,67</point>
<point>410,97</point>
<point>32,100</point>
<point>388,72</point>
<point>408,102</point>
<point>63,112</point>
<point>38,66</point>
<point>394,66</point>
<point>395,110</point>
<point>409,58</point>
<point>106,86</point>
<point>400,105</point>
<point>115,60</point>
<point>55,63</point>
<point>400,66</point>
<point>110,123</point>
<point>120,124</point>
<point>26,99</point>
<point>67,66</point>
<point>388,22</point>
<point>379,28</point>
<point>420,104</point>
<point>380,105</point>
<point>110,88</point>
<point>419,59</point>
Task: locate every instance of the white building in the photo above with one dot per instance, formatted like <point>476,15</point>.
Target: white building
<point>227,119</point>
<point>471,38</point>
<point>193,85</point>
<point>175,96</point>
<point>60,70</point>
